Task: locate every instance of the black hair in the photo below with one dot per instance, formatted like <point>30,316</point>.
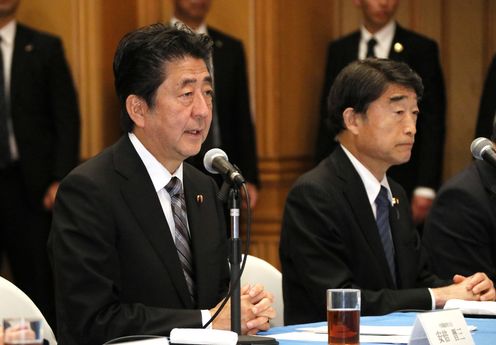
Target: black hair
<point>140,58</point>
<point>364,81</point>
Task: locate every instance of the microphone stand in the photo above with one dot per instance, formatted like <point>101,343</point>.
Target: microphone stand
<point>235,261</point>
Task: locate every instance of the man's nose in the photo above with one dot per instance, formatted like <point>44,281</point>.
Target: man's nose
<point>202,105</point>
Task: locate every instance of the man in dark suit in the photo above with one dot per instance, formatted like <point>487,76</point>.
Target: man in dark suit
<point>421,175</point>
<point>463,220</point>
<point>232,126</point>
<point>40,114</point>
<point>487,107</point>
<point>138,240</point>
<point>346,224</point>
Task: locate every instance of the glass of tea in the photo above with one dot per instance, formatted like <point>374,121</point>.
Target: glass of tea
<point>343,316</point>
<point>22,331</point>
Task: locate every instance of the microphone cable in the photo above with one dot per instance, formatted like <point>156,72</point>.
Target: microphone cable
<point>243,263</point>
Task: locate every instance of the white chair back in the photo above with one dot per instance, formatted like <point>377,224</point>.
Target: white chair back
<point>260,271</point>
<point>15,303</point>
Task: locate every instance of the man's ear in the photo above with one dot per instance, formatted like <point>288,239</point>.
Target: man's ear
<point>136,108</point>
<point>351,120</point>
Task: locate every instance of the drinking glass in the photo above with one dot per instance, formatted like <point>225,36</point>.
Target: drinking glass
<point>343,316</point>
<point>22,331</point>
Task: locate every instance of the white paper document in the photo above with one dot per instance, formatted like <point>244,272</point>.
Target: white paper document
<point>367,330</point>
<point>368,334</point>
<point>321,337</point>
<point>472,307</point>
<point>153,341</point>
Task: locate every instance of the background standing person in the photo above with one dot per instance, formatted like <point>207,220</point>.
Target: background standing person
<point>39,145</point>
<point>232,125</point>
<point>380,36</point>
<point>487,107</point>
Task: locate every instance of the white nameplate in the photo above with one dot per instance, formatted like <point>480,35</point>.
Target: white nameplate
<point>443,327</point>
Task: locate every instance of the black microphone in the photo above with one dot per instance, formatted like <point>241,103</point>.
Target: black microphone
<point>216,162</point>
<point>483,149</point>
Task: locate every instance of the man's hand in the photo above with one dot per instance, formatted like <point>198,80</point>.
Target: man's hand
<point>262,309</point>
<point>477,287</point>
<point>479,284</point>
<point>50,195</point>
<point>420,208</point>
<point>256,311</point>
<point>17,333</point>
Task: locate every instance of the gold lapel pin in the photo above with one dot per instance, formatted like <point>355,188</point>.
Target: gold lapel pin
<point>398,47</point>
<point>199,198</point>
<point>396,201</point>
<point>28,48</point>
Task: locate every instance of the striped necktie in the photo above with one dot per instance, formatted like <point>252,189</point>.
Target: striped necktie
<point>182,238</point>
<point>382,202</point>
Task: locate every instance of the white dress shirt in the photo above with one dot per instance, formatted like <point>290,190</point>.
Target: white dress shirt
<point>372,187</point>
<point>384,38</point>
<point>160,177</point>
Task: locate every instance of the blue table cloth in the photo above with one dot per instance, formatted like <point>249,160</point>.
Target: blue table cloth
<point>484,335</point>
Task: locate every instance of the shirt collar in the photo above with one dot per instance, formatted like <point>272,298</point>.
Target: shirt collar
<point>202,29</point>
<point>159,175</point>
<point>372,185</point>
<point>8,32</point>
<point>384,36</point>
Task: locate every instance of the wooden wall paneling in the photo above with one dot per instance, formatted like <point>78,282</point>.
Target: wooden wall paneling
<point>90,87</point>
<point>463,42</point>
<point>149,11</point>
<point>348,16</point>
<point>118,18</point>
<point>290,47</point>
<point>266,79</point>
<point>489,35</point>
<point>427,19</point>
<point>304,35</point>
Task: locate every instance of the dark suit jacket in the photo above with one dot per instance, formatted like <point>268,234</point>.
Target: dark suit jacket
<point>232,102</point>
<point>44,110</point>
<point>330,239</point>
<point>487,106</point>
<point>421,53</point>
<point>116,267</point>
<point>460,232</point>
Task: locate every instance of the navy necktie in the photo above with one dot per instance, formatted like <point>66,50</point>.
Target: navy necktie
<point>4,134</point>
<point>382,203</point>
<point>370,47</point>
<point>182,238</point>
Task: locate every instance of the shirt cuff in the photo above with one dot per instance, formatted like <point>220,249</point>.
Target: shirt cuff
<point>433,299</point>
<point>205,318</point>
<point>425,192</point>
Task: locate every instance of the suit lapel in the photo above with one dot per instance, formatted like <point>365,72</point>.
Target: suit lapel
<point>201,234</point>
<point>138,192</point>
<point>351,52</point>
<point>398,50</point>
<point>23,50</point>
<point>357,197</point>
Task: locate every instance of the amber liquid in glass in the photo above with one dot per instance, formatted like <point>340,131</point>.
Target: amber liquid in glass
<point>343,326</point>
